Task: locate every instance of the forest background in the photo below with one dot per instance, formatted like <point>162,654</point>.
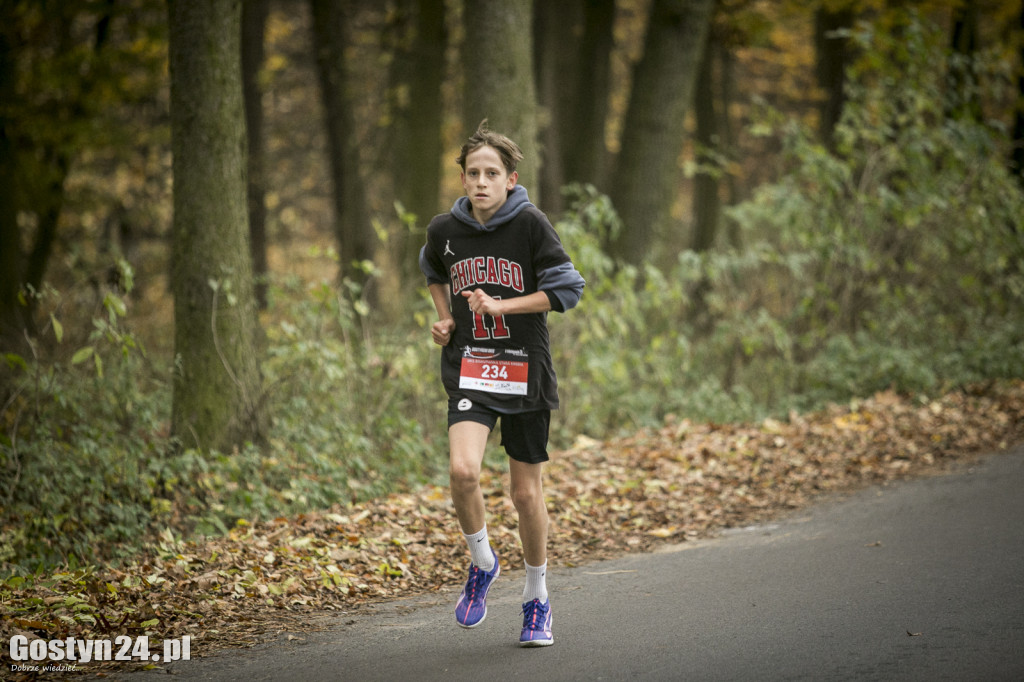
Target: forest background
<point>210,306</point>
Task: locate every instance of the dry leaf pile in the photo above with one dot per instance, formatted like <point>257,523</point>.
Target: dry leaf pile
<point>681,482</point>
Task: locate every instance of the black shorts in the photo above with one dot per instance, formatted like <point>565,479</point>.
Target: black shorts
<point>523,435</point>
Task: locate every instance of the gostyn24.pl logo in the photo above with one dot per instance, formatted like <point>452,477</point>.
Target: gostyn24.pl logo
<point>28,654</point>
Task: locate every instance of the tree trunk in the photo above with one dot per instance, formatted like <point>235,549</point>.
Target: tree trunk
<point>556,28</point>
<point>47,200</point>
<point>12,257</point>
<point>647,173</point>
<point>706,202</point>
<point>34,164</point>
<point>582,121</point>
<point>254,21</point>
<point>1017,156</point>
<point>352,227</point>
<point>963,100</point>
<point>497,67</point>
<point>734,189</point>
<point>832,59</point>
<point>573,43</point>
<point>419,40</point>
<point>217,386</point>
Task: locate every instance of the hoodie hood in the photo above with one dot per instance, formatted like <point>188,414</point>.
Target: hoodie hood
<point>517,200</point>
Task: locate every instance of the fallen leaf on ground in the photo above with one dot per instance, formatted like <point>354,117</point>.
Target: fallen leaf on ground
<point>681,482</point>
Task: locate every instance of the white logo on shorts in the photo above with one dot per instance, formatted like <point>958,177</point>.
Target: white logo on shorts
<point>465,404</point>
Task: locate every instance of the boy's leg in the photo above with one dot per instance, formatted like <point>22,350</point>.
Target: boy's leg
<point>526,440</point>
<point>467,442</point>
<point>525,437</point>
<point>528,498</point>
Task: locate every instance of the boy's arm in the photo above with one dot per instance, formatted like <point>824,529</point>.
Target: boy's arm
<point>443,329</point>
<point>481,303</point>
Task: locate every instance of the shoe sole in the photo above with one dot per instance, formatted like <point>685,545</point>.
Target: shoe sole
<point>537,642</point>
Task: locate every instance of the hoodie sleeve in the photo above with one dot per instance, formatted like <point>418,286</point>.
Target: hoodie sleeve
<point>563,285</point>
<point>431,266</point>
<point>556,275</point>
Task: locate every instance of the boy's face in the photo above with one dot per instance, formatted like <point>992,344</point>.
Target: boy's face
<point>486,182</point>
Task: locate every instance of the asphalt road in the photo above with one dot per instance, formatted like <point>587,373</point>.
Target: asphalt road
<point>920,580</point>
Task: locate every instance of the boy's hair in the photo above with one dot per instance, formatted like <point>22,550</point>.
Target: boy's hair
<point>483,137</point>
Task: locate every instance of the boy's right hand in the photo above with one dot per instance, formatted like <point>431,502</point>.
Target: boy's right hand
<point>442,331</point>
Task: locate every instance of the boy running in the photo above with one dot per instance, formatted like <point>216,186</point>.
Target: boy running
<point>494,268</point>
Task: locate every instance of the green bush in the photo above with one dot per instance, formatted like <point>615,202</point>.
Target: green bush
<point>89,472</point>
<point>356,401</point>
<point>80,439</point>
<point>894,262</point>
<point>903,251</point>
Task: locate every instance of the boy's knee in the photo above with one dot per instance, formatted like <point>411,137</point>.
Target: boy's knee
<point>527,498</point>
<point>463,476</point>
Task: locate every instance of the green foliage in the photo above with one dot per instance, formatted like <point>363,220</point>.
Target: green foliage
<point>740,335</point>
<point>895,262</point>
<point>79,436</point>
<point>89,81</point>
<point>629,354</point>
<point>89,472</point>
<point>357,402</point>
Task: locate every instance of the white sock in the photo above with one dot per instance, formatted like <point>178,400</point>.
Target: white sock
<point>536,583</point>
<point>480,549</point>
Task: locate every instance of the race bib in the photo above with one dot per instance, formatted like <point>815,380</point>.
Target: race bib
<point>494,370</point>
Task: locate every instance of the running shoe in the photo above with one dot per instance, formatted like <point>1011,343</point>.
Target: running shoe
<point>536,624</point>
<point>471,608</point>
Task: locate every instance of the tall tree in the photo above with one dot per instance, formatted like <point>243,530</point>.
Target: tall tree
<point>352,227</point>
<point>584,151</point>
<point>706,201</point>
<point>40,125</point>
<point>553,57</point>
<point>12,321</point>
<point>217,388</point>
<point>647,171</point>
<point>254,21</point>
<point>573,45</point>
<point>832,55</point>
<point>497,66</point>
<point>1017,155</point>
<point>963,98</point>
<point>418,41</point>
<point>77,86</point>
<point>728,39</point>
